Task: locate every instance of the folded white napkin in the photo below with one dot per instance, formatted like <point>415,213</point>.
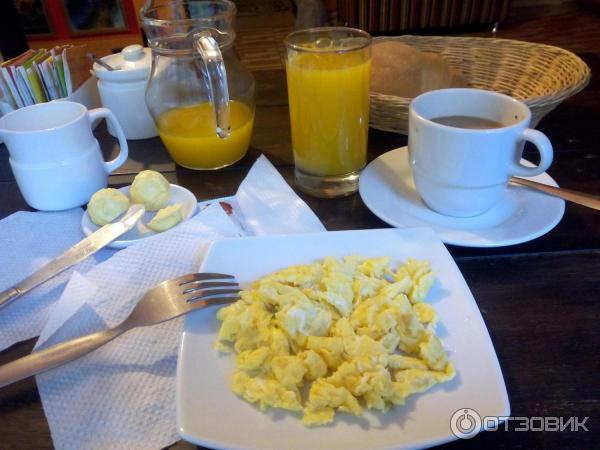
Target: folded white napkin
<point>264,194</point>
<point>123,395</point>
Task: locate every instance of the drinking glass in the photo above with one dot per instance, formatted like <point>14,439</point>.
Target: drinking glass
<point>328,74</point>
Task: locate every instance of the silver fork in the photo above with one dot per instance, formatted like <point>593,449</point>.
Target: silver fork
<point>169,299</point>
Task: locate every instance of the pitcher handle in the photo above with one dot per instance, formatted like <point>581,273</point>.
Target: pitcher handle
<point>105,113</point>
<point>215,75</point>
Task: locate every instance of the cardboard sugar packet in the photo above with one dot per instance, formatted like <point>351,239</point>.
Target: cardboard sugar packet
<point>20,83</point>
<point>59,70</point>
<point>11,82</point>
<point>36,66</point>
<point>47,70</point>
<point>32,78</point>
<point>77,66</point>
<point>38,76</point>
<point>7,95</point>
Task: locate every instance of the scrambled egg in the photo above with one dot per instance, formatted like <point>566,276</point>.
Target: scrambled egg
<point>351,333</point>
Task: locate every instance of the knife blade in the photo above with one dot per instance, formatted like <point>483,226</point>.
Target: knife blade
<point>78,252</point>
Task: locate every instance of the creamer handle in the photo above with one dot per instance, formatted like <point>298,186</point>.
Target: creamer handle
<point>105,113</point>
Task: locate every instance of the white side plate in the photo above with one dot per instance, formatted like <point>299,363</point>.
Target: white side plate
<point>179,194</point>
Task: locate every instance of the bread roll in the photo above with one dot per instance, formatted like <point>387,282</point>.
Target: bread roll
<point>403,71</point>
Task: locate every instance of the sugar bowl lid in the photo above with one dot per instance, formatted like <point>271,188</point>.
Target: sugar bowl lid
<point>131,64</point>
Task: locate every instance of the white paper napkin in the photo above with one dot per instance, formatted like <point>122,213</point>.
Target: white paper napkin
<point>263,194</point>
<point>29,241</point>
<point>123,395</point>
<point>32,239</point>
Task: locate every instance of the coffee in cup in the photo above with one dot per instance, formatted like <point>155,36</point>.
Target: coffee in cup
<point>465,144</point>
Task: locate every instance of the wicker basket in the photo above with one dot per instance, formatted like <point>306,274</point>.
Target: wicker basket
<point>542,76</point>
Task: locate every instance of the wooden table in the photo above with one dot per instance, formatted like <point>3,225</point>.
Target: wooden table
<point>540,300</point>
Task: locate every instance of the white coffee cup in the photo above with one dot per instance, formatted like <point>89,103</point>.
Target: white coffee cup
<point>463,172</point>
<point>54,156</point>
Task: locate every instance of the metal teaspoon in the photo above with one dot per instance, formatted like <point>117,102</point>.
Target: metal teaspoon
<point>591,201</point>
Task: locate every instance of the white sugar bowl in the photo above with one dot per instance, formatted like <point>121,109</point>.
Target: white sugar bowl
<point>123,90</point>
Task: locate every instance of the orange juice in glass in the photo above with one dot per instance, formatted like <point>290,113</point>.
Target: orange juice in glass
<point>328,74</point>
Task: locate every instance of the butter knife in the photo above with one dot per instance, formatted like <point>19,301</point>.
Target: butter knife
<point>78,252</point>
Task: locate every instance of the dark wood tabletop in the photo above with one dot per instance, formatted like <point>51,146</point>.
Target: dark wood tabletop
<point>540,300</point>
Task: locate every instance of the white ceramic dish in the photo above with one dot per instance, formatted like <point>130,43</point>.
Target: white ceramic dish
<point>388,190</point>
<point>179,194</point>
<point>209,414</point>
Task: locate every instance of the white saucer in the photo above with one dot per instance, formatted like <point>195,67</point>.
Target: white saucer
<point>140,230</point>
<point>387,188</point>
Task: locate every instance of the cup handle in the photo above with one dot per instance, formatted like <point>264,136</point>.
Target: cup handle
<point>105,113</point>
<point>543,145</point>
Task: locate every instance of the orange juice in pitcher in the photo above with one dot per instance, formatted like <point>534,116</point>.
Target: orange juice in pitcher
<point>188,133</point>
<point>199,95</point>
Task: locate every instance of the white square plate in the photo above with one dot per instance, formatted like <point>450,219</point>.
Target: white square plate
<point>209,414</point>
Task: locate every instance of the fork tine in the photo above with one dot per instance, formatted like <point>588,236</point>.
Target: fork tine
<point>207,295</point>
<point>192,277</point>
<point>210,302</point>
<point>199,285</point>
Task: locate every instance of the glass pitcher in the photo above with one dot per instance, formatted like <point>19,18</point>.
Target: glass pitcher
<point>199,94</point>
